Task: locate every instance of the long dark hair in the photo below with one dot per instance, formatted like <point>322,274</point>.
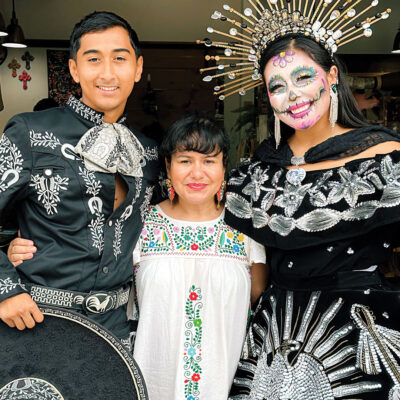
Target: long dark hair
<point>348,114</point>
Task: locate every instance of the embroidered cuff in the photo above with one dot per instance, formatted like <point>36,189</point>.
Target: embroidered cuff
<point>10,287</point>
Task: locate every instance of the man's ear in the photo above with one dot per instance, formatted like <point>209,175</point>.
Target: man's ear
<point>139,69</point>
<point>73,69</point>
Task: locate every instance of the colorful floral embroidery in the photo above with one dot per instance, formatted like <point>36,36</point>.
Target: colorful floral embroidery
<point>192,353</point>
<point>193,296</point>
<point>161,236</point>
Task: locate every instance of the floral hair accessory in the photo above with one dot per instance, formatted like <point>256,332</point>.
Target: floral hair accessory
<point>283,58</point>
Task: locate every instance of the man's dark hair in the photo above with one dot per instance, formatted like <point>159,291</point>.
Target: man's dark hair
<point>100,21</point>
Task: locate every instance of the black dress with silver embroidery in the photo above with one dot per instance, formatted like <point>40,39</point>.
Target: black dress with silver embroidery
<point>83,245</point>
<point>327,326</point>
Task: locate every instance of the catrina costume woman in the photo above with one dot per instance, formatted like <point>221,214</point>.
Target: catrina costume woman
<point>327,326</point>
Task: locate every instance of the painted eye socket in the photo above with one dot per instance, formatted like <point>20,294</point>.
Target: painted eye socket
<point>277,89</point>
<point>303,76</point>
<point>276,85</point>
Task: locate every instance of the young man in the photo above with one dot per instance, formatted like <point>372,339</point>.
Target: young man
<point>81,181</point>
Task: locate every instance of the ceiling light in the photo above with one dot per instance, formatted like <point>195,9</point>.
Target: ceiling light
<point>15,36</point>
<point>3,31</point>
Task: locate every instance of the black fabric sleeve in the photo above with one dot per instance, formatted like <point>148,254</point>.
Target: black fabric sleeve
<point>15,172</point>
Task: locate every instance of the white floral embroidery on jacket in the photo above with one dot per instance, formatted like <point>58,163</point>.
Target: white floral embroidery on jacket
<point>121,220</point>
<point>44,139</point>
<point>48,190</point>
<point>10,163</point>
<point>96,225</point>
<point>7,285</point>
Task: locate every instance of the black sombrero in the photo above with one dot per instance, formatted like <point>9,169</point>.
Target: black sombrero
<point>66,357</point>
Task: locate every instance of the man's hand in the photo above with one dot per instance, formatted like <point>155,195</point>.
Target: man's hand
<point>20,311</point>
<point>20,250</point>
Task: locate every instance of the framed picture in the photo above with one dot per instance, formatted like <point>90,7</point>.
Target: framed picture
<point>61,84</point>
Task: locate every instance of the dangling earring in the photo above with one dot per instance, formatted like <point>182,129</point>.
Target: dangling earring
<point>333,109</point>
<point>170,188</point>
<point>220,193</point>
<point>277,132</point>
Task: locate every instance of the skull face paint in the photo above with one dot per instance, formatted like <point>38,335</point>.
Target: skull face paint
<point>298,90</point>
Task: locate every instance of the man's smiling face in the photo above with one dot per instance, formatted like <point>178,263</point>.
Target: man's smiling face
<point>297,88</point>
<point>107,69</point>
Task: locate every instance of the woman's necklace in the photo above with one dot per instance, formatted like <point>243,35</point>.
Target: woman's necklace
<point>296,175</point>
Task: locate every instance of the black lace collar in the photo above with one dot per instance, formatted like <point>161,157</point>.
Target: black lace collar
<point>345,145</point>
<point>88,113</point>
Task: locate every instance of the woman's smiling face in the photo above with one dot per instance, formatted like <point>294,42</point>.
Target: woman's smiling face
<point>298,88</point>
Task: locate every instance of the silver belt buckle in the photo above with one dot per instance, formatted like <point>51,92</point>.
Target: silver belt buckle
<point>99,302</point>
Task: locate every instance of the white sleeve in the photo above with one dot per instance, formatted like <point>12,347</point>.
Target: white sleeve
<point>136,253</point>
<point>256,252</point>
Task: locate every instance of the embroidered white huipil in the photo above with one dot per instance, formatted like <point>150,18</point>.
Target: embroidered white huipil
<point>193,292</point>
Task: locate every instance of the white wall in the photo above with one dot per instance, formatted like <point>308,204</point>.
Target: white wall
<point>15,98</point>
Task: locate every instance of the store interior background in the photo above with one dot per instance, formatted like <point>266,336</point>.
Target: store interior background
<point>168,30</point>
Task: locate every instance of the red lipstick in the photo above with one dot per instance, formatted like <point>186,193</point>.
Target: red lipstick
<point>197,186</point>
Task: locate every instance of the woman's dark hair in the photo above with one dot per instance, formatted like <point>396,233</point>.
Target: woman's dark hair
<point>100,21</point>
<point>194,133</point>
<point>348,114</point>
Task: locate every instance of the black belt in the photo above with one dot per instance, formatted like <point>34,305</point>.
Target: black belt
<point>95,302</point>
<point>340,280</point>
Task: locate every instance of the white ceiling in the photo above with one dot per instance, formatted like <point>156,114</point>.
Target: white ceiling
<point>164,20</point>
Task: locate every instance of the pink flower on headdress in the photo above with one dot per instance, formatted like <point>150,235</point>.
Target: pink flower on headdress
<point>283,58</point>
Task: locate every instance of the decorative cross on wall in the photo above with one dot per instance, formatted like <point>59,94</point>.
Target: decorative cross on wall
<point>24,77</point>
<point>27,58</point>
<point>14,65</point>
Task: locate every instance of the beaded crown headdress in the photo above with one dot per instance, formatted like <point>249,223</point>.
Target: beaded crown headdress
<point>332,23</point>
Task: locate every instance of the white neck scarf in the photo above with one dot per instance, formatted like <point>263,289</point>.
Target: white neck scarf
<point>111,148</point>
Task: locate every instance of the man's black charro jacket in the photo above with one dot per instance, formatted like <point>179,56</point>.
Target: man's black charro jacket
<point>67,210</point>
